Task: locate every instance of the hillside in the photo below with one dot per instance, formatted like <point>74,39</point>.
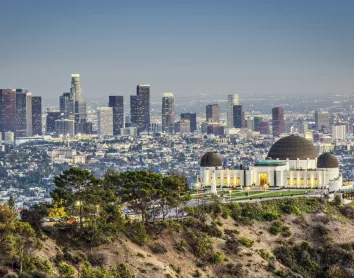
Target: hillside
<point>300,237</point>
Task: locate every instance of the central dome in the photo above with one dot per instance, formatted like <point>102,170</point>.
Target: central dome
<point>293,147</point>
<point>210,159</point>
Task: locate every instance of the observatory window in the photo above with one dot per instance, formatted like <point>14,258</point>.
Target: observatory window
<point>308,181</point>
<point>302,181</point>
<point>316,181</point>
<point>225,180</point>
<point>288,181</point>
<point>218,180</point>
<point>232,181</point>
<point>238,180</point>
<point>295,181</point>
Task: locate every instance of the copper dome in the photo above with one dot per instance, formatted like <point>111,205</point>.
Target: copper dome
<point>327,160</point>
<point>210,159</point>
<point>293,147</point>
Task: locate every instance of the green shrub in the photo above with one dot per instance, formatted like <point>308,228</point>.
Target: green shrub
<point>181,245</point>
<point>266,255</point>
<point>285,231</point>
<point>275,228</point>
<point>217,257</point>
<point>245,241</point>
<point>136,232</point>
<point>201,244</point>
<point>232,244</point>
<point>158,248</point>
<point>66,271</point>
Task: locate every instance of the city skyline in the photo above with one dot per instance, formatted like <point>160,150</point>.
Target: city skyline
<point>235,47</point>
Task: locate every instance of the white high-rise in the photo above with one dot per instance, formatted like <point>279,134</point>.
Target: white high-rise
<point>105,121</point>
<point>338,132</point>
<point>231,101</point>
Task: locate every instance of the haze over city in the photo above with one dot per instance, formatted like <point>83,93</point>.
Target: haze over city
<point>187,47</point>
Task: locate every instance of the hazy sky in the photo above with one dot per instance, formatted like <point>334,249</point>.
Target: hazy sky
<point>187,47</point>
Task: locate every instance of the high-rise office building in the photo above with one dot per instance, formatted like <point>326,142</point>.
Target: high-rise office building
<point>231,101</point>
<point>213,113</point>
<point>67,106</point>
<point>65,127</point>
<point>51,118</point>
<point>79,103</point>
<point>117,104</point>
<point>37,116</point>
<point>183,126</point>
<point>137,112</point>
<point>7,110</point>
<point>238,116</point>
<point>75,88</point>
<point>144,92</point>
<point>257,123</point>
<point>168,113</point>
<point>105,121</point>
<point>278,122</point>
<point>192,117</point>
<point>321,120</point>
<point>338,132</point>
<point>23,113</point>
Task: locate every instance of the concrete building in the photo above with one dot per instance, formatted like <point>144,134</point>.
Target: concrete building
<point>291,162</point>
<point>192,117</point>
<point>65,128</point>
<point>338,132</point>
<point>105,121</point>
<point>321,120</point>
<point>183,126</point>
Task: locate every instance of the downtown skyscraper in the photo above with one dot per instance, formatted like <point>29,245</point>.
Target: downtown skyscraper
<point>117,104</point>
<point>37,115</point>
<point>7,110</point>
<point>140,108</point>
<point>23,113</point>
<point>238,116</point>
<point>278,122</point>
<point>168,113</point>
<point>79,103</point>
<point>213,113</point>
<point>192,118</point>
<point>231,101</point>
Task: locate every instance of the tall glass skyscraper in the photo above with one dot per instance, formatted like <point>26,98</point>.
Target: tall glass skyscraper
<point>7,110</point>
<point>231,101</point>
<point>213,113</point>
<point>238,117</point>
<point>278,122</point>
<point>192,117</point>
<point>67,106</point>
<point>168,113</point>
<point>37,116</point>
<point>144,92</point>
<point>79,103</point>
<point>23,113</point>
<point>117,103</point>
<point>137,112</point>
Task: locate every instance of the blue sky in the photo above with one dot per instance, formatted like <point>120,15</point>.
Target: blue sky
<point>187,47</point>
